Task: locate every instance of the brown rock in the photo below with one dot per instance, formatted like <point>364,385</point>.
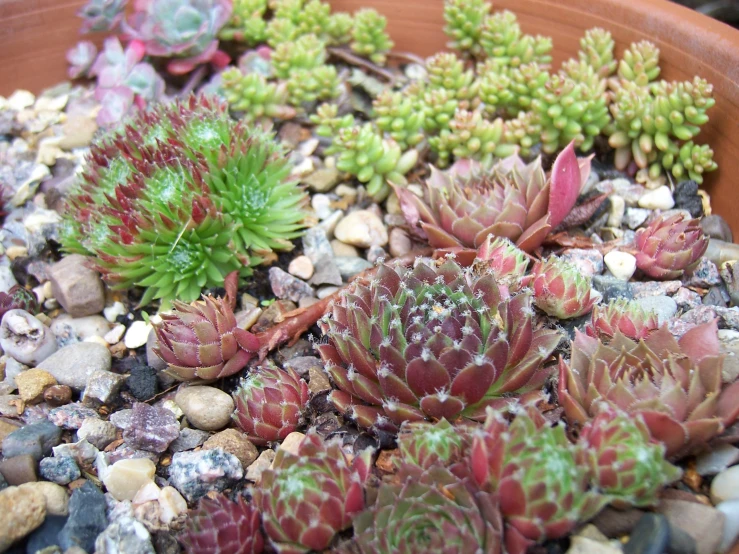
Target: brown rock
<point>317,380</point>
<point>58,395</point>
<point>22,511</point>
<point>234,443</point>
<point>704,523</point>
<point>33,383</point>
<point>7,427</point>
<point>273,314</point>
<point>400,242</point>
<point>77,132</point>
<point>615,523</point>
<point>254,471</point>
<point>76,287</point>
<point>19,469</point>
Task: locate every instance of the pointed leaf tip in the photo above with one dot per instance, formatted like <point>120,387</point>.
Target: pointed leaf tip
<point>566,180</point>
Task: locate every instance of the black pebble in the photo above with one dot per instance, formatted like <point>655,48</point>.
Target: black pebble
<point>143,383</point>
<point>686,198</point>
<point>651,535</point>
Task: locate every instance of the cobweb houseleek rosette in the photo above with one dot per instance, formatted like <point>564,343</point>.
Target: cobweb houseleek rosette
<point>431,342</point>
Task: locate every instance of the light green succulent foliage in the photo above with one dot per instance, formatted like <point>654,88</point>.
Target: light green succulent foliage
<point>510,90</point>
<point>369,38</point>
<point>329,123</point>
<point>505,45</point>
<point>470,136</point>
<point>596,50</point>
<point>253,95</point>
<point>339,28</point>
<point>446,71</point>
<point>309,85</point>
<point>375,161</point>
<point>397,116</point>
<point>247,22</point>
<point>280,31</point>
<point>313,18</point>
<point>306,52</point>
<point>640,63</point>
<point>287,9</point>
<point>438,106</point>
<point>690,161</point>
<point>464,19</point>
<point>524,131</point>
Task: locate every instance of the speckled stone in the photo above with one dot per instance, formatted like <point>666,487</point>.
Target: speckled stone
<point>61,471</point>
<point>71,416</point>
<point>151,428</point>
<point>196,473</point>
<point>235,443</point>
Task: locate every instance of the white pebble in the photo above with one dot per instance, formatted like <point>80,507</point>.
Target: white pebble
<point>363,229</point>
<point>616,213</point>
<point>20,100</point>
<point>301,267</point>
<point>115,334</point>
<point>125,477</point>
<point>657,199</point>
<point>112,312</point>
<point>731,524</point>
<point>725,486</point>
<point>137,334</point>
<point>621,264</point>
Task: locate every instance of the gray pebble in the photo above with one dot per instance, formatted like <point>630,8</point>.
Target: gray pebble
<point>73,364</point>
<point>61,471</point>
<point>196,473</point>
<point>36,439</point>
<point>664,306</point>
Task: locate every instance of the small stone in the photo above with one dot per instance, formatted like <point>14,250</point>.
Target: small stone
<point>57,501</point>
<point>33,383</point>
<point>321,204</point>
<point>264,461</point>
<point>615,523</point>
<point>73,329</point>
<point>172,504</point>
<point>152,359</point>
<point>616,210</point>
<point>245,319</point>
<point>303,364</point>
<point>716,460</point>
<point>73,364</point>
<point>20,100</point>
<point>189,439</point>
<point>716,227</point>
<point>44,539</point>
<point>588,261</point>
<point>704,523</point>
<point>76,287</point>
<point>24,338</point>
<point>730,509</point>
<point>207,408</point>
<point>285,285</point>
<point>657,199</point>
<point>102,387</point>
<point>686,298</point>
<point>399,243</point>
<point>629,191</point>
<point>36,439</point>
<point>77,132</point>
<point>195,473</point>
<point>651,535</point>
<point>664,306</point>
<point>582,545</point>
<point>61,471</point>
<point>327,272</point>
<point>655,288</point>
<point>142,383</point>
<point>71,416</point>
<point>622,265</point>
<point>137,334</point>
<point>19,469</point>
<point>725,486</point>
<point>362,228</point>
<point>375,254</point>
<point>704,275</point>
<point>97,432</point>
<point>125,477</point>
<point>23,511</point>
<point>635,217</point>
<point>349,267</point>
<point>122,418</point>
<point>151,428</point>
<point>112,312</point>
<point>323,292</point>
<point>322,180</point>
<point>329,224</point>
<point>729,340</point>
<point>87,518</point>
<point>81,452</point>
<point>318,380</point>
<point>115,334</point>
<point>716,296</point>
<point>292,442</point>
<point>124,536</point>
<point>301,267</point>
<point>235,443</point>
<point>307,301</point>
<point>343,250</point>
<point>7,427</point>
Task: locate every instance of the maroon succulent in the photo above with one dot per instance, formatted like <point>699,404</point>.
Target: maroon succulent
<point>669,246</point>
<point>18,298</point>
<point>624,316</point>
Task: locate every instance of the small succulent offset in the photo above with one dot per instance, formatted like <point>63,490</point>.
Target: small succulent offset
<point>596,49</point>
<point>511,200</point>
<point>464,21</point>
<point>81,57</point>
<point>435,510</point>
<point>669,246</point>
<point>309,85</point>
<point>220,526</point>
<point>18,298</point>
<point>674,385</point>
<point>306,52</point>
<point>253,95</point>
<point>369,38</point>
<point>101,15</point>
<point>534,469</point>
<point>185,30</point>
<point>202,340</point>
<point>624,465</point>
<point>423,444</point>
<point>308,497</point>
<point>246,23</point>
<point>270,404</point>
<point>501,256</point>
<point>447,71</point>
<point>432,342</point>
<point>506,46</point>
<point>624,316</point>
<point>396,115</point>
<point>560,289</point>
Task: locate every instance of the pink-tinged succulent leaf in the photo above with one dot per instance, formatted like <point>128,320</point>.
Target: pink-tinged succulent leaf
<point>669,246</point>
<point>566,182</point>
<point>560,289</point>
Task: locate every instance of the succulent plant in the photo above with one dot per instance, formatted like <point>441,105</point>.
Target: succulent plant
<point>363,152</point>
<point>308,497</point>
<point>80,58</point>
<point>247,22</point>
<point>287,9</point>
<point>624,316</point>
<point>501,256</point>
<point>640,63</point>
<point>512,200</point>
<point>369,38</point>
<point>523,131</point>
<point>505,46</point>
<point>270,404</point>
<point>680,109</point>
<point>221,526</point>
<point>314,18</point>
<point>309,85</point>
<point>396,115</point>
<point>124,82</point>
<point>669,246</point>
<point>186,30</point>
<point>533,468</point>
<point>624,464</point>
<point>253,95</point>
<point>423,444</point>
<point>306,52</point>
<point>689,161</point>
<point>632,130</point>
<point>439,107</point>
<point>327,120</point>
<point>339,28</point>
<point>431,511</point>
<point>18,298</point>
<point>431,343</point>
<point>203,340</point>
<point>101,15</point>
<point>280,31</point>
<point>674,385</point>
<point>494,91</point>
<point>464,20</point>
<point>560,289</point>
<point>596,49</point>
<point>447,71</point>
<point>181,197</point>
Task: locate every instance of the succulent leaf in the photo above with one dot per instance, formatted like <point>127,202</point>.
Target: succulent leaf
<point>669,246</point>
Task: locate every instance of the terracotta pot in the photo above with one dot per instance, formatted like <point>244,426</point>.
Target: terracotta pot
<point>36,34</point>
